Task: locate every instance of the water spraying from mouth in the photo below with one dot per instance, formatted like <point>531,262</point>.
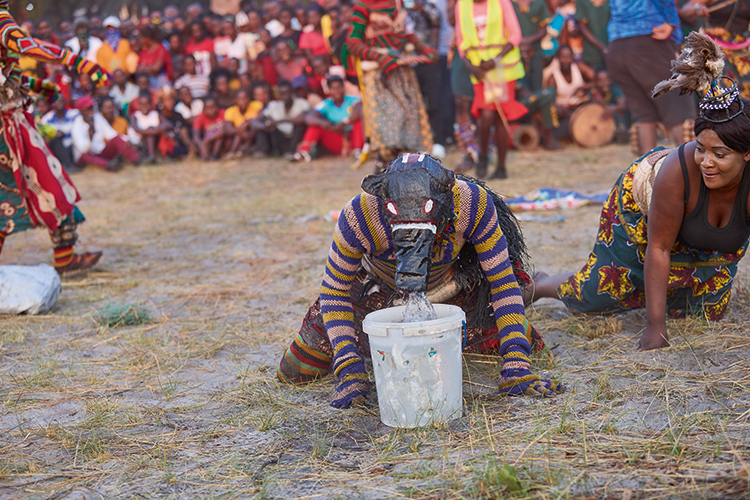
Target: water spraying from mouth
<point>418,308</point>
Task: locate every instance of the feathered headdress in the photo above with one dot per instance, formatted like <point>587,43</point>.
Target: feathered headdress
<point>696,69</point>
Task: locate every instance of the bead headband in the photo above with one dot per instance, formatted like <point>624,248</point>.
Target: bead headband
<point>719,98</point>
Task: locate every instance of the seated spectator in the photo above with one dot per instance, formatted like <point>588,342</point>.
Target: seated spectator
<point>281,125</point>
<point>147,125</point>
<point>317,79</point>
<point>123,90</point>
<point>82,87</point>
<point>220,89</point>
<point>611,97</point>
<point>119,123</point>
<point>115,50</point>
<point>570,78</point>
<point>312,42</point>
<point>95,142</point>
<point>175,142</point>
<point>198,84</point>
<point>234,74</point>
<point>335,124</point>
<point>202,49</point>
<point>230,46</point>
<point>288,67</point>
<point>238,120</point>
<point>188,107</point>
<point>301,90</point>
<point>62,120</point>
<point>208,130</point>
<point>154,59</point>
<point>261,93</point>
<point>143,82</point>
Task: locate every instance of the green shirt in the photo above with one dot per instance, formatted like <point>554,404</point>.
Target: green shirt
<point>596,18</point>
<point>532,20</point>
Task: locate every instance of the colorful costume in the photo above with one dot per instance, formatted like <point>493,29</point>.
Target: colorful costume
<point>395,116</point>
<point>728,27</point>
<point>416,229</point>
<point>613,278</point>
<point>34,188</point>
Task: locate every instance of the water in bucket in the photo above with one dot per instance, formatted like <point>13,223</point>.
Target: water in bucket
<point>417,365</point>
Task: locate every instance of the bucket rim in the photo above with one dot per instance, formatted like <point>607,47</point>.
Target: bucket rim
<point>450,318</point>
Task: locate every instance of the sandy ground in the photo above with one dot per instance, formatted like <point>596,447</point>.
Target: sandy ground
<point>228,256</point>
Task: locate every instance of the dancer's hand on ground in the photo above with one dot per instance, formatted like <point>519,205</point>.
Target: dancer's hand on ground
<point>522,382</point>
<point>352,384</point>
<point>655,337</point>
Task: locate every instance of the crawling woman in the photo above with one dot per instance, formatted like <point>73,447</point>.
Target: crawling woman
<point>677,222</point>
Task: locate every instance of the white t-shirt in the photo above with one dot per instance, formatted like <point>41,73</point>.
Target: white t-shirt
<point>82,143</point>
<point>196,108</point>
<point>277,111</point>
<point>225,48</point>
<point>94,45</point>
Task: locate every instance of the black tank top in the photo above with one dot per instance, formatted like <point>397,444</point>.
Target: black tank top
<point>697,232</point>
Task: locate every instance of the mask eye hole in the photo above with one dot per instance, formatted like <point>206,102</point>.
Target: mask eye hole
<point>391,207</point>
<point>428,206</point>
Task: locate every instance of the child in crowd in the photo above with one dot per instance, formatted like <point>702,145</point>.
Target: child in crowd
<point>197,83</point>
<point>175,140</point>
<point>147,125</point>
<point>208,130</point>
<point>188,107</point>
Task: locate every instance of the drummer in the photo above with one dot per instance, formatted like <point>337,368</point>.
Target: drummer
<point>571,80</point>
<point>684,258</point>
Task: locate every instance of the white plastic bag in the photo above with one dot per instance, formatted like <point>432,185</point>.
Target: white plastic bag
<point>28,289</point>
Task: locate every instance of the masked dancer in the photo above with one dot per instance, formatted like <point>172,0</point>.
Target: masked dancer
<point>418,228</point>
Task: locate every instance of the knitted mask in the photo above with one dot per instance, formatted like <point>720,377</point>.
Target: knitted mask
<point>416,196</point>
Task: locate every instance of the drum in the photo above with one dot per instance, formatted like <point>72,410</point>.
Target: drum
<point>524,137</point>
<point>589,129</point>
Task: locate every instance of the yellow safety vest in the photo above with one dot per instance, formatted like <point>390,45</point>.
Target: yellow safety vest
<point>494,40</point>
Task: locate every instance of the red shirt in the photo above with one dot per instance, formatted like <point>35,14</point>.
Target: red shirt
<point>209,126</point>
<point>315,42</point>
<point>202,52</point>
<point>157,53</point>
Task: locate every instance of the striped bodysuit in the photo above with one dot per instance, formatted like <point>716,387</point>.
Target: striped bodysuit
<point>362,233</point>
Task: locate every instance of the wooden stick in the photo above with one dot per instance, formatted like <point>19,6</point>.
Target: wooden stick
<point>720,5</point>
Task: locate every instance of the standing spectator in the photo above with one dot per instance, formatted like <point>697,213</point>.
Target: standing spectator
<point>643,38</point>
<point>271,11</point>
<point>290,36</point>
<point>230,46</point>
<point>62,120</point>
<point>123,91</point>
<point>114,51</point>
<point>238,120</point>
<point>83,43</point>
<point>198,84</point>
<point>533,18</point>
<point>592,17</point>
<point>311,41</point>
<point>154,59</point>
<point>95,142</point>
<point>445,38</point>
<point>250,27</point>
<point>481,45</point>
<point>131,60</point>
<point>282,124</point>
<point>44,32</point>
<point>425,19</point>
<point>208,130</point>
<point>202,48</point>
<point>177,52</point>
<point>335,123</point>
<point>266,61</point>
<point>287,66</point>
<point>175,141</point>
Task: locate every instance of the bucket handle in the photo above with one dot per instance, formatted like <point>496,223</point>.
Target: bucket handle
<point>463,343</point>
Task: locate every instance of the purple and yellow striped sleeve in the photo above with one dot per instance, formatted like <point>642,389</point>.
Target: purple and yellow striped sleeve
<point>485,234</point>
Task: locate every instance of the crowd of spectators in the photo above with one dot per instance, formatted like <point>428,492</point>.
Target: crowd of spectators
<point>269,81</point>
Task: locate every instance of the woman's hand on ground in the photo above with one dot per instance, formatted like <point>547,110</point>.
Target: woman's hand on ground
<point>655,337</point>
<point>353,394</point>
<point>352,384</point>
<point>522,382</point>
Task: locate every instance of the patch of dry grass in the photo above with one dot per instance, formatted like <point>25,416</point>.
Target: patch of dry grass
<point>188,406</point>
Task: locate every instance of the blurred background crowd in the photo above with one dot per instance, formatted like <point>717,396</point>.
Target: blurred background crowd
<point>267,79</point>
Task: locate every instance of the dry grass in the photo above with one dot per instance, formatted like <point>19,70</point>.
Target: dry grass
<point>187,405</point>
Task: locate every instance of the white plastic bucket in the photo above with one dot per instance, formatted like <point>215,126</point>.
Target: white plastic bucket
<point>417,365</point>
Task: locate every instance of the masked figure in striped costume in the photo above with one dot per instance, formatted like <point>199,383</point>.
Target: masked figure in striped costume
<point>34,188</point>
<point>417,228</point>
